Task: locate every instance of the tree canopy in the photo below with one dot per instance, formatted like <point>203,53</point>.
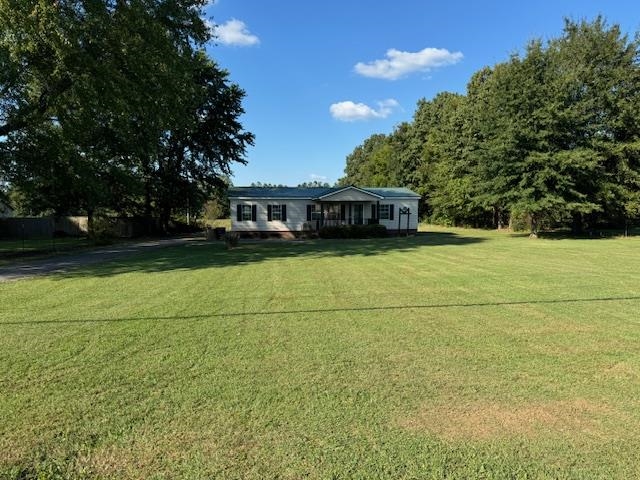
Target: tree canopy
<point>114,105</point>
<point>551,135</point>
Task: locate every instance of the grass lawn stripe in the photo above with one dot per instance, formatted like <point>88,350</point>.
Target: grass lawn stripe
<point>457,354</point>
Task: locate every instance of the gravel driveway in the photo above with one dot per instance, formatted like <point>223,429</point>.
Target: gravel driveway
<point>66,262</point>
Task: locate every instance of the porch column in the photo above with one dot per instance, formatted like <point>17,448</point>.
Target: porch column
<point>321,214</point>
<point>378,211</point>
<point>350,214</point>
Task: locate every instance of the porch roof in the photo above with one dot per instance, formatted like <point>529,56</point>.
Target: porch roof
<point>359,194</point>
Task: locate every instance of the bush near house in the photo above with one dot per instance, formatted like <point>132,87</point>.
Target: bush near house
<point>231,239</point>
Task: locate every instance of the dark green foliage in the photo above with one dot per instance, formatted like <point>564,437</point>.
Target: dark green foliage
<point>267,185</point>
<point>114,106</point>
<point>194,160</point>
<point>367,163</point>
<point>551,136</point>
<point>353,231</point>
<point>231,239</point>
<point>314,184</point>
<point>101,231</point>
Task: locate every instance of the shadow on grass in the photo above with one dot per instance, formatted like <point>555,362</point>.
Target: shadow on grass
<point>372,308</point>
<point>16,249</point>
<point>588,235</point>
<point>200,254</point>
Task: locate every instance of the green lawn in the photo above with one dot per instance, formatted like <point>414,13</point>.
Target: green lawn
<point>453,354</point>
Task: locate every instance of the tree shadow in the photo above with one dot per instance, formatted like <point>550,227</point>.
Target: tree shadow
<point>587,235</point>
<point>202,254</point>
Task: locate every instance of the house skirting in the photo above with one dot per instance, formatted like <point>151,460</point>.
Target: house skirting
<point>404,231</point>
<point>292,235</point>
<point>285,234</point>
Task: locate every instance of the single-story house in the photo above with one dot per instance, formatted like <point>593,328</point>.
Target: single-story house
<point>286,210</point>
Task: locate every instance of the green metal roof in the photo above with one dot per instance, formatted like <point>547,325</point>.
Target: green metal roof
<point>393,192</point>
<point>304,193</point>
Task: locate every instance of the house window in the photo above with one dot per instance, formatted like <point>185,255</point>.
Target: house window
<point>383,212</point>
<point>276,212</point>
<point>333,212</point>
<point>246,213</point>
<point>314,212</point>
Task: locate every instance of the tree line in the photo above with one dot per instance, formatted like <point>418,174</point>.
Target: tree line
<point>114,106</point>
<point>311,184</point>
<point>550,137</point>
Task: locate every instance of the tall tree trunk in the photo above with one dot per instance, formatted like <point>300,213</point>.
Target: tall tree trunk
<point>497,218</point>
<point>165,217</point>
<point>577,223</point>
<point>534,226</point>
<point>148,217</point>
<point>626,226</point>
<point>90,215</point>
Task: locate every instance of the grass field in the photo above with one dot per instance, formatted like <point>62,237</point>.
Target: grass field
<point>452,354</point>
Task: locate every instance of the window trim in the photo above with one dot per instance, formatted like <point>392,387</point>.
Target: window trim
<point>280,209</point>
<point>382,207</point>
<point>316,212</point>
<point>247,211</point>
<point>276,212</point>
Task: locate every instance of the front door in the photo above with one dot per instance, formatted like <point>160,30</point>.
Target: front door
<point>358,213</point>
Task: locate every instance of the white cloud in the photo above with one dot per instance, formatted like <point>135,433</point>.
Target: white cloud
<point>319,178</point>
<point>349,111</point>
<point>398,64</point>
<point>234,32</point>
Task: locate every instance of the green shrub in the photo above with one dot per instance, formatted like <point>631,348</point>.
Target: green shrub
<point>177,227</point>
<point>231,239</point>
<point>101,230</point>
<point>353,231</point>
<point>308,230</point>
<point>332,232</point>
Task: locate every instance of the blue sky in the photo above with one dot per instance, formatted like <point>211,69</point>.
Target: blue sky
<point>321,77</point>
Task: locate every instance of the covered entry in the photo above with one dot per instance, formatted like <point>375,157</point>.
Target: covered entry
<point>348,206</point>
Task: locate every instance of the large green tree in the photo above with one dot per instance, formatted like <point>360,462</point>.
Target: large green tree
<point>99,97</point>
<point>447,173</point>
<point>552,135</point>
<point>598,91</point>
<point>361,167</point>
<point>195,160</point>
<point>557,129</point>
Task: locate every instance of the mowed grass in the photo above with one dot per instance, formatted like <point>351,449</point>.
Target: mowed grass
<point>452,354</point>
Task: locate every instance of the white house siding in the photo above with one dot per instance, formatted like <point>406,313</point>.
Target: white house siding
<point>398,203</point>
<point>296,215</point>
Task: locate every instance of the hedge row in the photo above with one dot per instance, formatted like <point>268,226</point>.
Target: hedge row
<point>353,231</point>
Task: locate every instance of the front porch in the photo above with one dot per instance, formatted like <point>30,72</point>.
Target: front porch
<point>344,213</point>
<point>348,206</point>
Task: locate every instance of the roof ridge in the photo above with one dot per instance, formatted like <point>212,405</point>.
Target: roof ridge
<point>315,192</point>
